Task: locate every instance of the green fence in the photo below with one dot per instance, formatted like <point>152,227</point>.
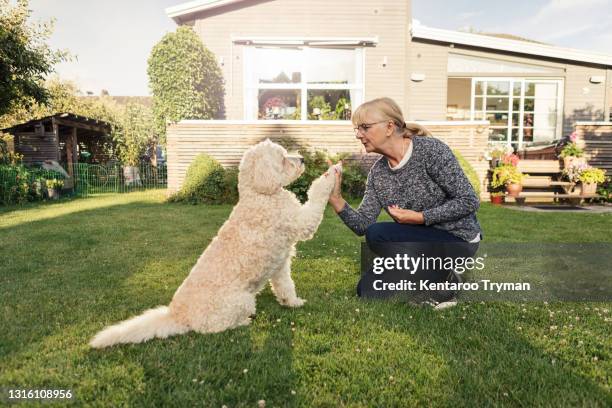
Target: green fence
<point>20,184</point>
<point>117,178</point>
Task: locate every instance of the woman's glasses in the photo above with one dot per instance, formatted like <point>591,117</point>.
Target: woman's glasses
<point>363,128</point>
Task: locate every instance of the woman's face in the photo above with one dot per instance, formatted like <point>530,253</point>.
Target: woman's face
<point>374,133</point>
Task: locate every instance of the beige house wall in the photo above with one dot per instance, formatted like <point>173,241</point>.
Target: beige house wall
<point>386,19</point>
<point>583,100</point>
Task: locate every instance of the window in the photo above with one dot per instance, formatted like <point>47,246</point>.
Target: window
<point>302,83</point>
<point>520,111</point>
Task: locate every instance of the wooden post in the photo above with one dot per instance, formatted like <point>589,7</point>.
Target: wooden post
<point>56,137</point>
<point>71,154</point>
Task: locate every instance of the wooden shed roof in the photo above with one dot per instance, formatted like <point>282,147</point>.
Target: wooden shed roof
<point>67,119</point>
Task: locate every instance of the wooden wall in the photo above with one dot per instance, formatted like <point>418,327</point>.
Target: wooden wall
<point>596,139</point>
<point>228,140</point>
<point>36,148</point>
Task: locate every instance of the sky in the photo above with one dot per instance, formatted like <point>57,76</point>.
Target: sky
<point>112,39</point>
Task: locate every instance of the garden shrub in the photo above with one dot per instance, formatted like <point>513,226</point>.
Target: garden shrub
<point>469,172</point>
<point>20,184</point>
<point>204,182</point>
<point>230,186</point>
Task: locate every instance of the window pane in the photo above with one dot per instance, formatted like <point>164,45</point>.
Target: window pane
<point>498,87</point>
<point>516,104</point>
<point>479,89</point>
<point>546,90</point>
<point>515,119</point>
<point>497,104</point>
<point>329,104</point>
<point>276,66</point>
<point>527,134</point>
<point>498,135</point>
<point>529,89</point>
<point>279,104</point>
<point>498,119</point>
<point>331,66</point>
<point>515,134</point>
<point>529,104</point>
<point>545,120</point>
<point>478,103</point>
<point>543,135</point>
<point>528,119</point>
<point>516,89</point>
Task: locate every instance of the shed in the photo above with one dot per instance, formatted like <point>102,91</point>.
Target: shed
<point>61,137</point>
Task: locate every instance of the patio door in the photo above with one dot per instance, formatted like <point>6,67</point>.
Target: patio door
<point>521,111</point>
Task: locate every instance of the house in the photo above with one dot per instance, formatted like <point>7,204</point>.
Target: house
<point>297,68</point>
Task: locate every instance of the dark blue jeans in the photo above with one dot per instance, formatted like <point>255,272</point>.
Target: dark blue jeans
<point>388,232</point>
<point>396,232</point>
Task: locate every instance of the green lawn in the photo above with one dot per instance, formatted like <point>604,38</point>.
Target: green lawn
<point>68,269</point>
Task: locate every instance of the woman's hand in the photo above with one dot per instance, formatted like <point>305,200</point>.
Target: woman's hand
<point>336,200</point>
<point>404,216</point>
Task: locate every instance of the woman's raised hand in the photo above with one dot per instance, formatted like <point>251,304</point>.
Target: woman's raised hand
<point>336,200</point>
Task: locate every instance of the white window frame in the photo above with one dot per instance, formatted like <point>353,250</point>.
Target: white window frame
<point>523,80</point>
<point>251,91</point>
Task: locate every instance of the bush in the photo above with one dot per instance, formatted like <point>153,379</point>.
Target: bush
<point>20,184</point>
<point>204,182</point>
<point>469,172</point>
<point>230,186</point>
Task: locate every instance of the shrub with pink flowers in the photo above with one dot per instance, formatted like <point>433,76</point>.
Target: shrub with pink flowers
<point>571,149</point>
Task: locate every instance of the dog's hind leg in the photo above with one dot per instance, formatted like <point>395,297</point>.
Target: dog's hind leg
<point>283,286</point>
<point>234,309</point>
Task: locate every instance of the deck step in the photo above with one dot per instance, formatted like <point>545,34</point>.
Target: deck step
<point>539,166</point>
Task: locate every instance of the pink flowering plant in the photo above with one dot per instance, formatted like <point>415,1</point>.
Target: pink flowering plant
<point>571,149</point>
<point>572,173</point>
<point>511,159</point>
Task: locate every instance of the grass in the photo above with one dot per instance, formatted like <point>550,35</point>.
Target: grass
<point>68,269</point>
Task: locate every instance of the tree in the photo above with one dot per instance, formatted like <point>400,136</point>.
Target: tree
<point>134,134</point>
<point>25,58</point>
<point>185,80</point>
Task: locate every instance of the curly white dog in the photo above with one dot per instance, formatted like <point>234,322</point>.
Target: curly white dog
<point>254,245</point>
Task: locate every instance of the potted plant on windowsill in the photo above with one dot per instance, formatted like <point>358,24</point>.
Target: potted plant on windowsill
<point>589,178</point>
<point>53,188</point>
<point>571,153</point>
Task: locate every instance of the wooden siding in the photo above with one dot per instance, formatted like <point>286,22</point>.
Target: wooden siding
<point>36,149</point>
<point>228,141</point>
<point>582,100</point>
<point>596,140</point>
<point>387,19</point>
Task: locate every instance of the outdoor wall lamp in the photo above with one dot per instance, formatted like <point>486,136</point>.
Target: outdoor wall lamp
<point>596,79</point>
<point>417,77</point>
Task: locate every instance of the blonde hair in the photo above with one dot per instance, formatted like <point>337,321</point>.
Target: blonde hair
<point>387,109</point>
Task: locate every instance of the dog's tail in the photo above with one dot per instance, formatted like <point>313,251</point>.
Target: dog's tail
<point>152,323</point>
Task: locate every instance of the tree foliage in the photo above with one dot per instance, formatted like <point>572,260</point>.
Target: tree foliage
<point>25,57</point>
<point>185,80</point>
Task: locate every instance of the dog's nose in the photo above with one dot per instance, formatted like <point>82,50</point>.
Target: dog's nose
<point>301,160</point>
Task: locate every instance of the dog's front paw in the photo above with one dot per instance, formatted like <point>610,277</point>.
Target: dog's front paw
<point>296,302</point>
<point>323,186</point>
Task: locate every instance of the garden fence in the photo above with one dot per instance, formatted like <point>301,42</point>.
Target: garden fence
<point>117,178</point>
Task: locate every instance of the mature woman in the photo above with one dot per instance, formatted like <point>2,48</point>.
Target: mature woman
<point>418,181</point>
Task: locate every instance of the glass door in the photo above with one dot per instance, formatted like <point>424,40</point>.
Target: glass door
<point>520,111</point>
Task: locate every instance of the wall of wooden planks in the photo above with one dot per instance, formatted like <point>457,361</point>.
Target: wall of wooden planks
<point>227,141</point>
<point>596,140</point>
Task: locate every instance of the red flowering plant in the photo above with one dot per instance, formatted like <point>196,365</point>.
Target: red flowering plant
<point>511,159</point>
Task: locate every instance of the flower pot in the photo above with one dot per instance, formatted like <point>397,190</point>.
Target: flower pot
<point>588,188</point>
<point>514,189</point>
<point>53,193</point>
<point>498,200</point>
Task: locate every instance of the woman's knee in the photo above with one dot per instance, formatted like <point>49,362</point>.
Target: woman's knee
<point>375,233</point>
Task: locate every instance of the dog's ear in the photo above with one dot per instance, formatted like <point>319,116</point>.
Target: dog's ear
<point>260,169</point>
